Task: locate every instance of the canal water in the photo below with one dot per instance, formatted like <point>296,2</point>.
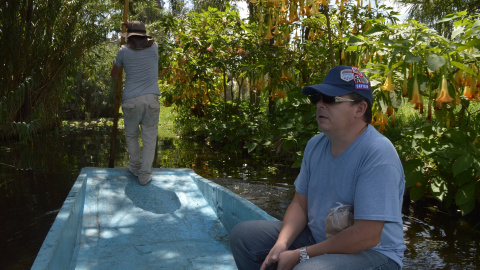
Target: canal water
<point>35,178</point>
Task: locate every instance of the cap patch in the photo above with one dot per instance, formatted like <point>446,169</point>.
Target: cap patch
<point>360,81</point>
<point>346,75</point>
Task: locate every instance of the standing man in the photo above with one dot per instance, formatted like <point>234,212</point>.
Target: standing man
<point>140,105</point>
<point>351,163</point>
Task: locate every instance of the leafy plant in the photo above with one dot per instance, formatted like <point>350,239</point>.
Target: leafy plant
<point>41,41</point>
<point>443,163</point>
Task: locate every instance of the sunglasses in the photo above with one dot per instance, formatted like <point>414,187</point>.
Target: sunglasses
<point>314,99</point>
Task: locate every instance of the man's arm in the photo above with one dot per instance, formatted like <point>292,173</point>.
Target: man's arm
<point>116,70</point>
<point>362,235</point>
<point>295,220</point>
<point>294,223</point>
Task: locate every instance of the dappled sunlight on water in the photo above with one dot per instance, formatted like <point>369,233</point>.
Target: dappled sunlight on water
<point>35,178</point>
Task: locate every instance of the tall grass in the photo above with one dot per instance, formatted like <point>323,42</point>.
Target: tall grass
<point>166,125</point>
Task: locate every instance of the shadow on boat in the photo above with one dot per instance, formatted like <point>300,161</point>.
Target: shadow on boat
<point>152,198</point>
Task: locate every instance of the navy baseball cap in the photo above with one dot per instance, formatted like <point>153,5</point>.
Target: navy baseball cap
<point>342,80</point>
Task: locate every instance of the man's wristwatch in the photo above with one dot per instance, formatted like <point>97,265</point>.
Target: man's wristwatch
<point>303,254</point>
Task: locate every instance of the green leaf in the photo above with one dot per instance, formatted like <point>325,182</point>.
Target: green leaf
<point>267,143</point>
<point>297,163</point>
<point>468,207</point>
<point>419,136</point>
<point>458,31</point>
<point>396,65</point>
<point>376,30</point>
<point>439,188</point>
<point>385,40</point>
<point>465,194</point>
<point>456,135</point>
<point>434,61</point>
<point>469,44</point>
<point>464,177</point>
<point>355,41</point>
<point>351,49</point>
<point>251,147</point>
<point>416,193</point>
<point>453,16</point>
<point>412,165</point>
<point>477,166</point>
<point>462,67</point>
<point>461,164</point>
<point>412,178</point>
<point>451,151</point>
<point>410,58</point>
<point>289,145</point>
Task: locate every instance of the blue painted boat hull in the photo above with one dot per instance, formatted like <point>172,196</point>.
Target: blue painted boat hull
<point>180,220</point>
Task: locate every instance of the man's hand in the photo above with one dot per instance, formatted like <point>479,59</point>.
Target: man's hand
<point>285,259</point>
<point>274,255</point>
<point>288,259</point>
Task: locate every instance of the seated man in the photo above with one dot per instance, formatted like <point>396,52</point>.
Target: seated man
<point>350,163</point>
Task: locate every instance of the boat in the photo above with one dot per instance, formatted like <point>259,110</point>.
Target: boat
<point>180,220</point>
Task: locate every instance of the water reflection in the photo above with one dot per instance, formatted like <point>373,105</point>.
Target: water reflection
<point>36,177</point>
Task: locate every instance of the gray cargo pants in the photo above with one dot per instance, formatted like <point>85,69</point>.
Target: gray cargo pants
<point>141,111</point>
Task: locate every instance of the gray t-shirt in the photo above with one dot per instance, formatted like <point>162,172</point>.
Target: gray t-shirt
<point>367,175</point>
<point>141,69</point>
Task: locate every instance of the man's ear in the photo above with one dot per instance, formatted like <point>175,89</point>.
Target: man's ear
<point>361,108</point>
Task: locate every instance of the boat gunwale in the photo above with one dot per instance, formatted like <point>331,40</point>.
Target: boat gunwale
<point>69,214</point>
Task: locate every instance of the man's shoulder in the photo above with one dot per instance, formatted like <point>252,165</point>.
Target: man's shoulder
<point>378,147</point>
<point>373,137</point>
<point>317,138</point>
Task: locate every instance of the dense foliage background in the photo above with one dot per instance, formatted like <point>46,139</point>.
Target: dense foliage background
<point>235,82</point>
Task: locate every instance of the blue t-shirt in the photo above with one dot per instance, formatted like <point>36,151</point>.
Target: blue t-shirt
<point>141,69</point>
<point>367,175</point>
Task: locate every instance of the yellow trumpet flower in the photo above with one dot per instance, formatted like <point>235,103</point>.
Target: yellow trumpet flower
<point>381,120</point>
<point>459,78</point>
<point>260,30</point>
<point>416,97</point>
<point>390,110</point>
<point>388,86</point>
<point>276,32</point>
<point>284,9</point>
<point>269,35</point>
<point>444,96</point>
<point>261,18</point>
<point>469,80</point>
<point>467,92</point>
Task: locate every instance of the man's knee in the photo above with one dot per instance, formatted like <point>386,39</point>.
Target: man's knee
<point>239,233</point>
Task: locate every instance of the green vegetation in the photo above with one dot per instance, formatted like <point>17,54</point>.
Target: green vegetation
<point>235,83</point>
<point>430,12</point>
<point>166,125</point>
<point>238,84</point>
<point>42,42</point>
